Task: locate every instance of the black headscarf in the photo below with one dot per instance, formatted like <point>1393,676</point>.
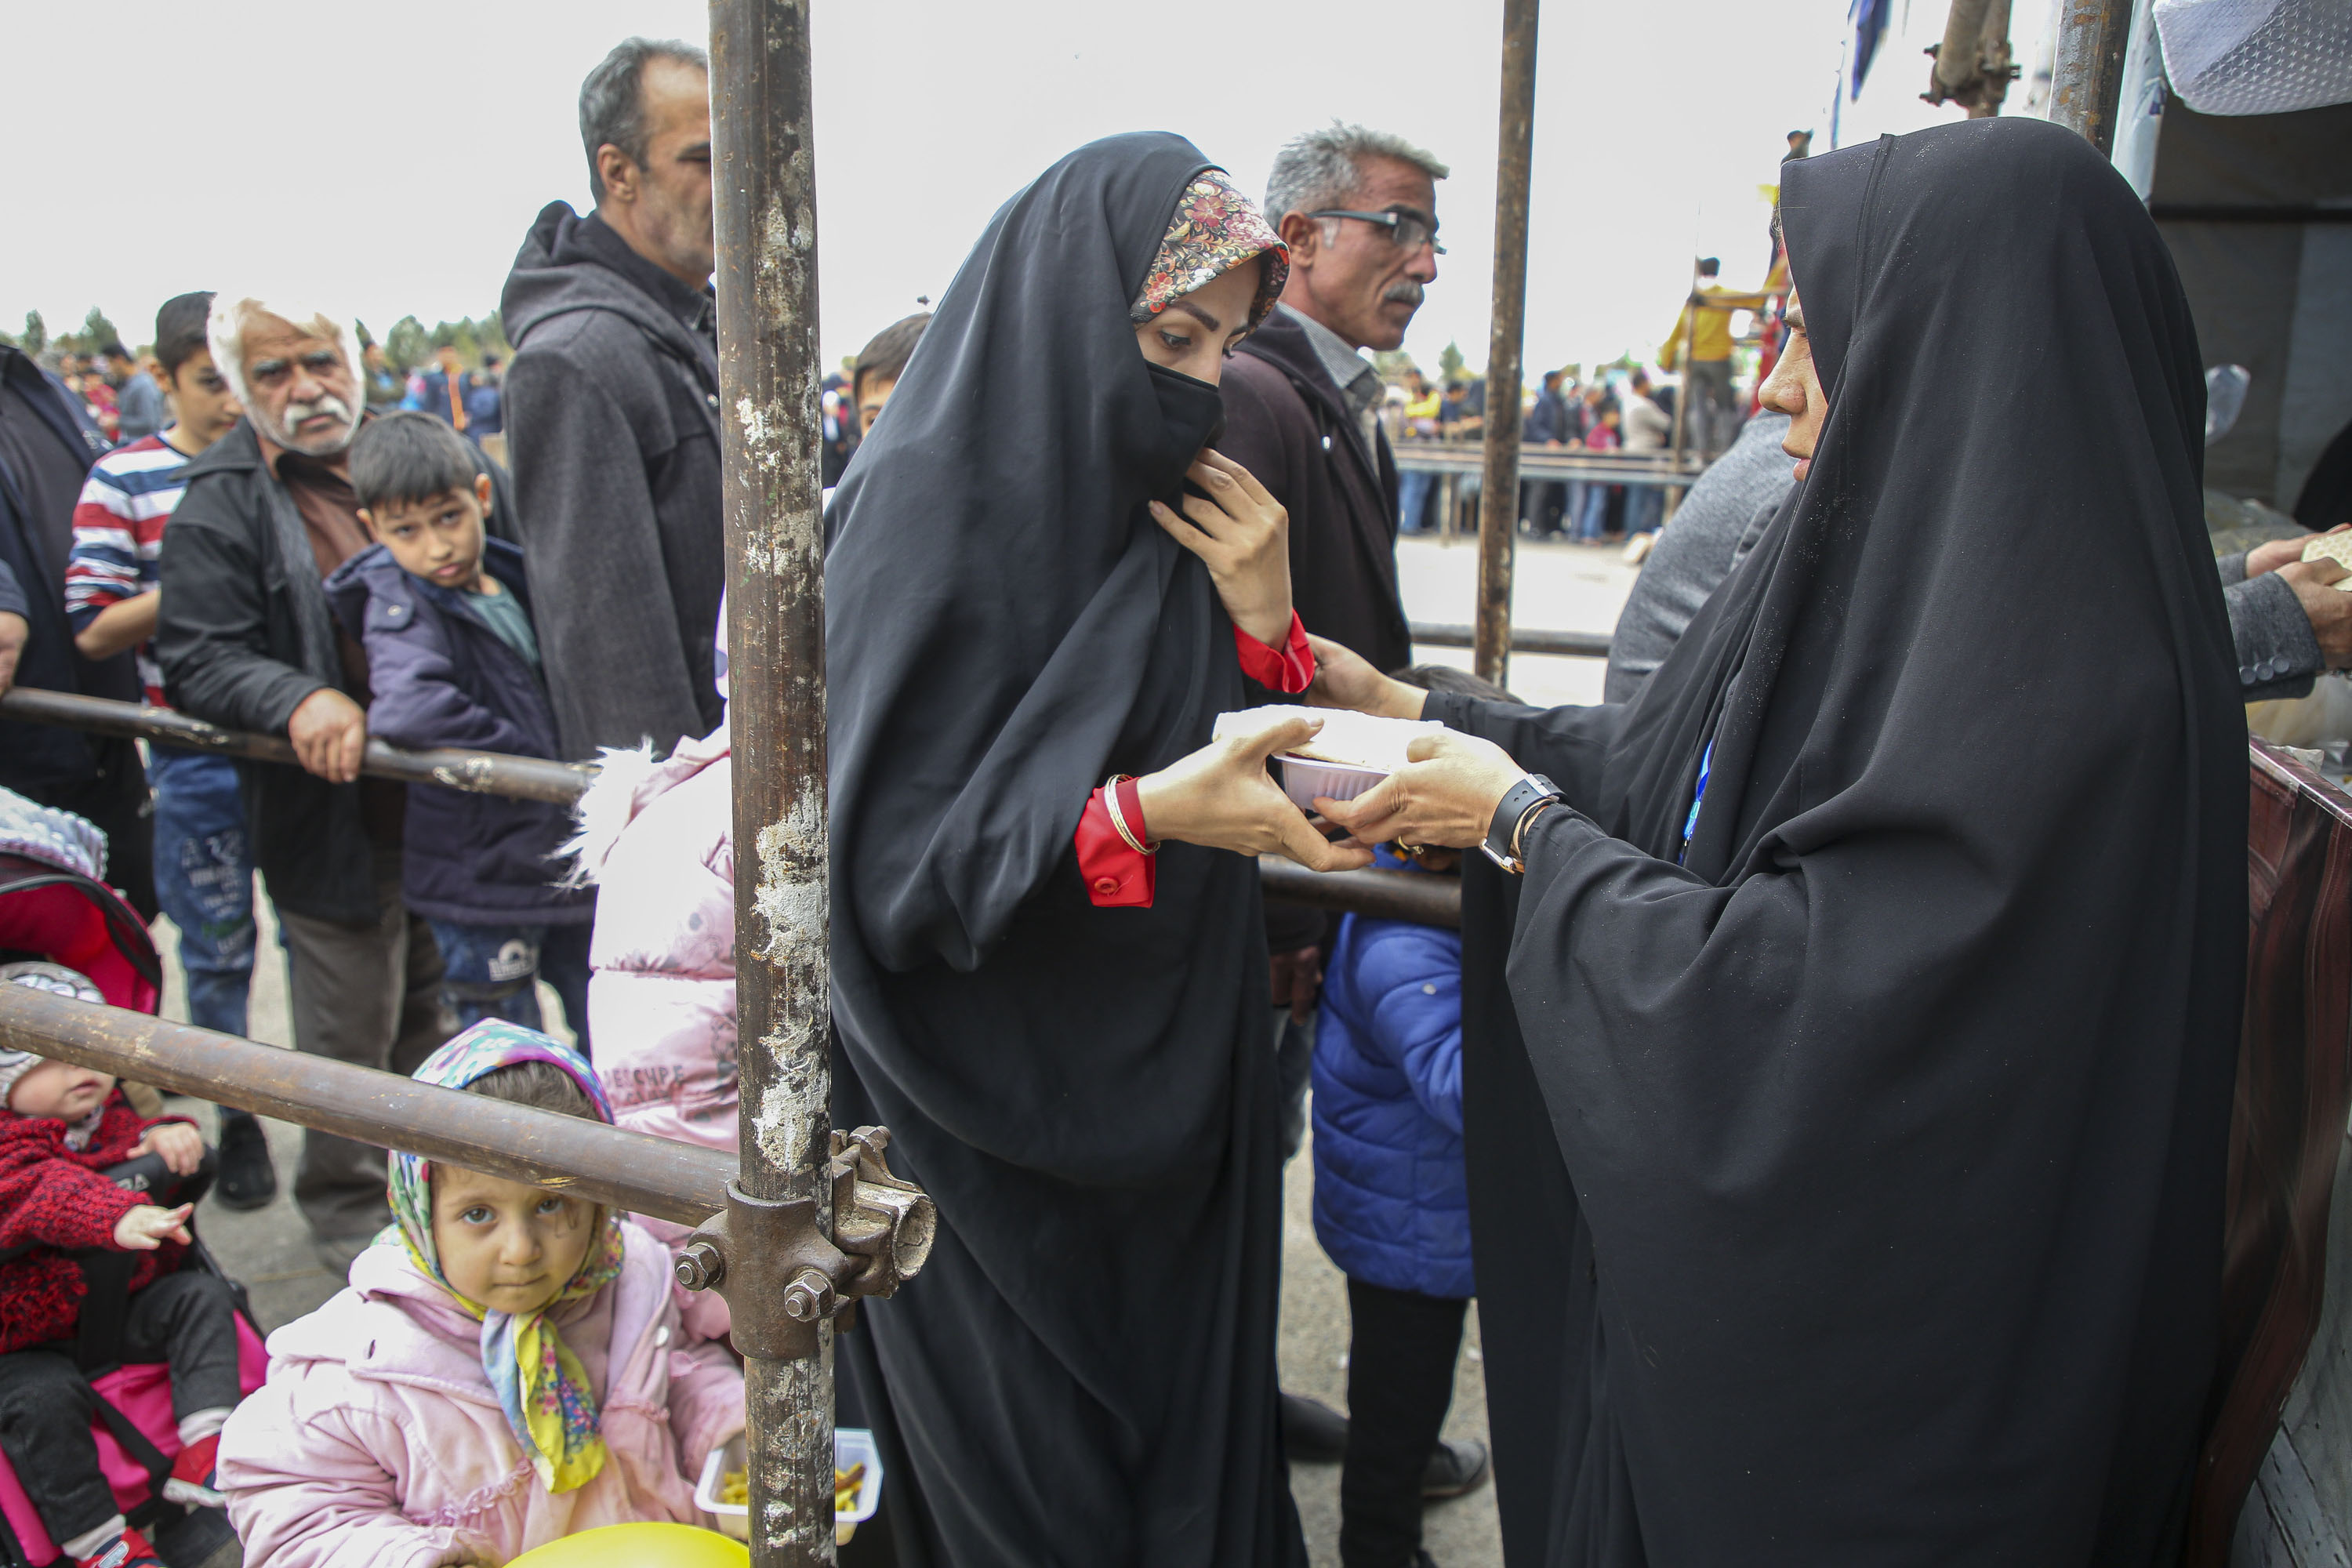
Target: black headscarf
<point>1085,1371</point>
<point>1894,1123</point>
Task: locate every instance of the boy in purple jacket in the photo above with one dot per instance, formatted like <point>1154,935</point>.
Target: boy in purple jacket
<point>445,615</point>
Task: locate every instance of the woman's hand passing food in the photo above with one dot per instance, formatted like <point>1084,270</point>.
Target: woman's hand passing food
<point>1344,679</point>
<point>1244,536</point>
<point>1222,796</point>
<point>1446,795</point>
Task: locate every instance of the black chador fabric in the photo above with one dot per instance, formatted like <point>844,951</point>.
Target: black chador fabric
<point>1085,1373</point>
<point>1891,1127</point>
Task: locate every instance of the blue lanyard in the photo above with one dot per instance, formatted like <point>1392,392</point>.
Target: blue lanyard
<point>1690,823</point>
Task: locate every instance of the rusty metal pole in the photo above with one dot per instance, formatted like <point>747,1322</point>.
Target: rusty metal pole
<point>2087,68</point>
<point>764,199</point>
<point>1498,501</point>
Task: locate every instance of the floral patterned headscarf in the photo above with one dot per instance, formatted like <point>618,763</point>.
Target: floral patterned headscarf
<point>541,1384</point>
<point>1216,229</point>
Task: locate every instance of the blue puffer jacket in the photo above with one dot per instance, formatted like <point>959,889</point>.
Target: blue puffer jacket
<point>1391,1208</point>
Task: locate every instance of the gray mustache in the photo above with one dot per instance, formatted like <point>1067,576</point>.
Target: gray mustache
<point>298,412</point>
<point>1405,293</point>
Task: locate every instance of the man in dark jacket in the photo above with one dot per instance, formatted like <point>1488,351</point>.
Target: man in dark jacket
<point>1358,210</point>
<point>611,412</point>
<point>246,638</point>
<point>1302,414</point>
<point>47,445</point>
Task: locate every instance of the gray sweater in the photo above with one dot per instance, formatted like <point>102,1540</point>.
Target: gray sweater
<point>1733,502</point>
<point>1717,523</point>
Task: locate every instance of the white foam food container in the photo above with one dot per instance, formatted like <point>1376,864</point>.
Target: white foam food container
<point>1354,740</point>
<point>1304,778</point>
<point>851,1446</point>
<point>1354,751</point>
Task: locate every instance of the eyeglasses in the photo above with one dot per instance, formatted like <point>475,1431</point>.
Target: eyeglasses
<point>1407,230</point>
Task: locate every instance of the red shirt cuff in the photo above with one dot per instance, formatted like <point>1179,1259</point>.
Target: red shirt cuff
<point>1116,875</point>
<point>1289,668</point>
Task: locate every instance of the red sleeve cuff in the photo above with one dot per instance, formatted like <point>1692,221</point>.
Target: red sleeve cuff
<point>1116,875</point>
<point>1289,668</point>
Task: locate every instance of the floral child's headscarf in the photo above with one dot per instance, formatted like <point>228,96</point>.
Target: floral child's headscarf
<point>1216,229</point>
<point>541,1386</point>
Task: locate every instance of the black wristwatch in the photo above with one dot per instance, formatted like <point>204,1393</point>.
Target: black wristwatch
<point>1503,833</point>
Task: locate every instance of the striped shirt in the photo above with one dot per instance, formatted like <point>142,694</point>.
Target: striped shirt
<point>119,533</point>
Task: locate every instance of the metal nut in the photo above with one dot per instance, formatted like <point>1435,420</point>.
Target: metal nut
<point>701,1266</point>
<point>809,1297</point>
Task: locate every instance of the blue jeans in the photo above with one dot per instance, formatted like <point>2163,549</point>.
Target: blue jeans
<point>204,881</point>
<point>1413,498</point>
<point>1645,507</point>
<point>1595,520</point>
<point>488,973</point>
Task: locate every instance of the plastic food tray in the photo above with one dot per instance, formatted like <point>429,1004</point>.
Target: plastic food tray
<point>851,1446</point>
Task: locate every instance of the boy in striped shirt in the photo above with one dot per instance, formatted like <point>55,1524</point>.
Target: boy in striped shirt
<point>204,874</point>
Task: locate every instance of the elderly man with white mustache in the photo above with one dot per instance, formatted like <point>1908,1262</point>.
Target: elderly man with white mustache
<point>246,638</point>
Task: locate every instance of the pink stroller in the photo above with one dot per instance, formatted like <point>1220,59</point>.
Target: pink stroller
<point>62,928</point>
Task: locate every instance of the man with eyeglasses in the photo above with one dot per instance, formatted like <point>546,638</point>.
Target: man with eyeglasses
<point>1358,210</point>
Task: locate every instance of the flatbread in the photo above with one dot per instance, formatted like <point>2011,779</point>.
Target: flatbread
<point>1357,739</point>
<point>2336,547</point>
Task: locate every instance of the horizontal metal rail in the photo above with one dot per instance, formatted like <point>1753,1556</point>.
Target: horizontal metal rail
<point>1413,896</point>
<point>1391,894</point>
<point>1524,639</point>
<point>683,1183</point>
<point>480,773</point>
<point>1553,463</point>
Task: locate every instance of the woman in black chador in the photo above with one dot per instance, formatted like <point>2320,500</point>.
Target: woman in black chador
<point>1878,967</point>
<point>1062,1023</point>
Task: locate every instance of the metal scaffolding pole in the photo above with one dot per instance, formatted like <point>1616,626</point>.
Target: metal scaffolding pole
<point>2087,68</point>
<point>764,202</point>
<point>1498,500</point>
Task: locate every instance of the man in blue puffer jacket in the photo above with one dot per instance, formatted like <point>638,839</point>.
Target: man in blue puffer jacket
<point>1391,1204</point>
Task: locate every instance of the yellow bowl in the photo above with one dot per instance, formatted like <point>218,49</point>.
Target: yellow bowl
<point>638,1546</point>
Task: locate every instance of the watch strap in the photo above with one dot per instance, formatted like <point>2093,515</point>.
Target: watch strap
<point>1521,798</point>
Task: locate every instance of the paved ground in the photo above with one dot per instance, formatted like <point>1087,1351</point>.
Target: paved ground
<point>1559,587</point>
<point>1556,587</point>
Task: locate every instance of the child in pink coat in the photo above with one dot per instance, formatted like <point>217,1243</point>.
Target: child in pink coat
<point>507,1367</point>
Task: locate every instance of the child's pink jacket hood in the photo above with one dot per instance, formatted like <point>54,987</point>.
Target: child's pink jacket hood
<point>659,837</point>
<point>377,1441</point>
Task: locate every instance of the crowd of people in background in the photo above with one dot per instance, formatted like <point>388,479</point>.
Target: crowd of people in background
<point>1624,407</point>
<point>1055,977</point>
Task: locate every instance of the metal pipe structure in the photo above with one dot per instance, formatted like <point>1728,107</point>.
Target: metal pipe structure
<point>1561,645</point>
<point>1384,895</point>
<point>683,1183</point>
<point>2087,68</point>
<point>1498,502</point>
<point>1659,467</point>
<point>480,773</point>
<point>764,196</point>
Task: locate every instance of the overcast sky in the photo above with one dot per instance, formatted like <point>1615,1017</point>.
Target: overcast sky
<point>384,160</point>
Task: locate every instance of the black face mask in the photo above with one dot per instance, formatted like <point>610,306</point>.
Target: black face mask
<point>1195,413</point>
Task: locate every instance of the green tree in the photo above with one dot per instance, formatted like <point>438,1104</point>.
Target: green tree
<point>408,345</point>
<point>1449,362</point>
<point>97,331</point>
<point>36,334</point>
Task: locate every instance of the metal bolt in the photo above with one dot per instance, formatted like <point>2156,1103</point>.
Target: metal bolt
<point>809,1297</point>
<point>701,1266</point>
